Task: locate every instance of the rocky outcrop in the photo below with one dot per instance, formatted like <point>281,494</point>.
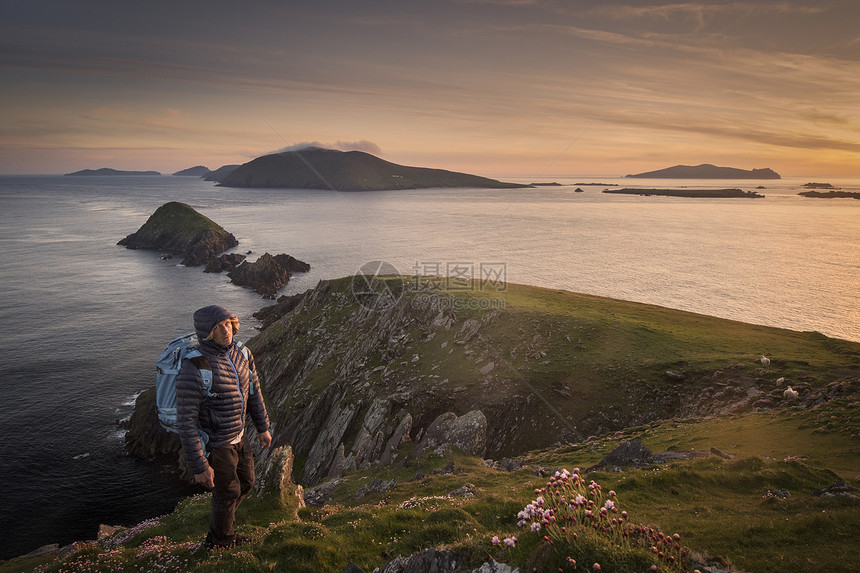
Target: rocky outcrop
<point>467,432</point>
<point>224,263</point>
<point>274,470</point>
<point>267,274</point>
<point>146,439</point>
<point>632,452</point>
<point>178,229</point>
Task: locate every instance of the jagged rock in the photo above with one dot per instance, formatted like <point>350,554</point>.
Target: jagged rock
<point>146,439</point>
<point>631,452</point>
<point>326,444</point>
<point>466,490</point>
<point>840,488</point>
<point>268,273</point>
<point>721,454</point>
<point>274,472</point>
<point>179,229</point>
<point>426,561</point>
<point>320,495</point>
<point>673,376</point>
<point>284,305</point>
<point>467,432</point>
<point>106,531</point>
<point>511,465</point>
<point>469,329</point>
<point>376,486</point>
<point>495,567</point>
<point>400,435</point>
<point>223,263</point>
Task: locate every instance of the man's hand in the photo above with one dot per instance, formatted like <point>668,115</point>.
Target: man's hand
<point>265,440</point>
<point>206,478</point>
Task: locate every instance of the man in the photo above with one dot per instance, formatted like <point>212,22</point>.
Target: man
<point>220,414</point>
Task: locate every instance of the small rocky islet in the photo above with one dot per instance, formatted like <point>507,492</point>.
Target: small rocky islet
<point>178,229</point>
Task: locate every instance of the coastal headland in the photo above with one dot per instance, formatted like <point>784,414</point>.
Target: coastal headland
<point>419,421</point>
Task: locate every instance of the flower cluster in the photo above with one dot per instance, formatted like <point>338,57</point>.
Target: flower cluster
<point>570,507</point>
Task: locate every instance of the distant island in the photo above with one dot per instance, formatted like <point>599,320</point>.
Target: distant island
<point>108,171</point>
<point>831,194</point>
<point>198,171</point>
<point>818,186</point>
<point>220,173</point>
<point>702,193</point>
<point>317,168</point>
<point>707,171</point>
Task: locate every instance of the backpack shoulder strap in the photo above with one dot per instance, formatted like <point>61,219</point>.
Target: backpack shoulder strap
<point>204,367</point>
<point>243,348</point>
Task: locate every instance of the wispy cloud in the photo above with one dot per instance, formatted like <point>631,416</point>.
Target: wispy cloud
<point>363,145</point>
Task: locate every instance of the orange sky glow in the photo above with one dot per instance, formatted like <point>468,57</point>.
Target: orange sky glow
<point>527,88</point>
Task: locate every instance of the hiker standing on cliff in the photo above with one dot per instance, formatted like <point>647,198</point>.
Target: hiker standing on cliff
<point>220,415</point>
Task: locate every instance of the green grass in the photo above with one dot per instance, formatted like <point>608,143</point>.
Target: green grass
<point>724,510</point>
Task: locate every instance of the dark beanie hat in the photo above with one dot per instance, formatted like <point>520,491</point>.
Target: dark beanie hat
<point>207,317</point>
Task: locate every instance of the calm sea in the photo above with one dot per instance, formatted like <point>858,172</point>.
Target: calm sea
<point>85,319</point>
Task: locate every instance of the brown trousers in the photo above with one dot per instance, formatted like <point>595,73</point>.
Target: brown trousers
<point>233,466</point>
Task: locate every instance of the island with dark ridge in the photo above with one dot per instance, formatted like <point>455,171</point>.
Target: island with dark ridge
<point>220,173</point>
<point>702,193</point>
<point>196,171</point>
<point>177,228</point>
<point>317,168</point>
<point>108,171</point>
<point>707,171</point>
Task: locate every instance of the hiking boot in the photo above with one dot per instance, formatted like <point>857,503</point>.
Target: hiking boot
<point>239,540</point>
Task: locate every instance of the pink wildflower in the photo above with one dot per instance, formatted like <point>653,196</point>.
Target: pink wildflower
<point>495,540</point>
<point>510,541</point>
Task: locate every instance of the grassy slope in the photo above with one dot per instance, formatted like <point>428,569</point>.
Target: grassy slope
<point>565,365</point>
<point>719,507</point>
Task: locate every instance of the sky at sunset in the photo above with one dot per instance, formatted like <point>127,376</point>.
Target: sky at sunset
<point>530,88</point>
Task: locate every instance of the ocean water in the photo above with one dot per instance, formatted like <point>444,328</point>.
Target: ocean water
<point>85,319</point>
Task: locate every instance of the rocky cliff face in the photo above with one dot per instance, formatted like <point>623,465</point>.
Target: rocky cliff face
<point>351,374</point>
<point>178,229</point>
<point>371,371</point>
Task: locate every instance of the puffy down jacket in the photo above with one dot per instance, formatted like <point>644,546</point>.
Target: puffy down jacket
<point>222,414</point>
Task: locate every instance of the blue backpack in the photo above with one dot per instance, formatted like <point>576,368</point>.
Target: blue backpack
<point>167,369</point>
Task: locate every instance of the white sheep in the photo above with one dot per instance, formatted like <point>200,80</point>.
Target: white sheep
<point>765,361</point>
<point>790,394</point>
<point>780,381</point>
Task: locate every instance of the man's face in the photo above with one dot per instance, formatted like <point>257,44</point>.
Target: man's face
<point>223,333</point>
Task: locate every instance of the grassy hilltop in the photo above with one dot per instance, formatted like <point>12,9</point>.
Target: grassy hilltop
<point>573,377</point>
